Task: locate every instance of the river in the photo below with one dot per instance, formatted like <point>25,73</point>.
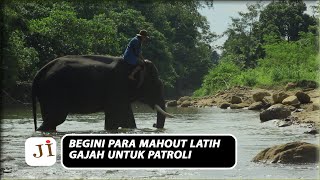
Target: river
<point>252,137</point>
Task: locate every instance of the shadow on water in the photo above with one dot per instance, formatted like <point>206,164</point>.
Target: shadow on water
<point>118,131</point>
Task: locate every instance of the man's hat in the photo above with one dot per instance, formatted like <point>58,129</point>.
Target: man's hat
<point>143,33</point>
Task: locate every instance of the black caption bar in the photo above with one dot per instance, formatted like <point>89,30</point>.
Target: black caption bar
<point>148,151</point>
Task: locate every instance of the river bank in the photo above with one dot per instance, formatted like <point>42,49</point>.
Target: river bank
<point>303,103</point>
<point>303,110</point>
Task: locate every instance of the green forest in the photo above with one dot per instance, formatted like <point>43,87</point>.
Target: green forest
<point>268,45</point>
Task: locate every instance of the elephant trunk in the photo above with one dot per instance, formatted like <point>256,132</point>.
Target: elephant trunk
<point>161,117</point>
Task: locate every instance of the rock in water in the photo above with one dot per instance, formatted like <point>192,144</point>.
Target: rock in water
<point>172,103</point>
<point>186,104</point>
<point>312,131</point>
<point>277,111</point>
<point>259,96</point>
<point>294,152</point>
<point>237,106</point>
<point>185,98</point>
<point>256,106</point>
<point>303,97</point>
<point>224,105</point>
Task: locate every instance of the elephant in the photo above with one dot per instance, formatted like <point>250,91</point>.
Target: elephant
<point>83,84</point>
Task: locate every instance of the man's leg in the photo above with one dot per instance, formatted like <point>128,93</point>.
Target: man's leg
<point>135,70</point>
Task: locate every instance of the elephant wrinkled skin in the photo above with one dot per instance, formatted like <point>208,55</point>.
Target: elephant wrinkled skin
<point>88,84</point>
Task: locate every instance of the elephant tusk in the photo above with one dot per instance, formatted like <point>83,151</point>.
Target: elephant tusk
<point>160,110</point>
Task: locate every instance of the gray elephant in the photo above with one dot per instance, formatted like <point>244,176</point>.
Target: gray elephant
<point>89,84</point>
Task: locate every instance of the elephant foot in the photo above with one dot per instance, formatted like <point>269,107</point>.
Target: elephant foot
<point>46,128</point>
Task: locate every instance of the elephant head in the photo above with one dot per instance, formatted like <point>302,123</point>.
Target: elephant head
<point>150,91</point>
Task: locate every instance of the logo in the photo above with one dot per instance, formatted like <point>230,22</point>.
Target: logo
<point>40,151</point>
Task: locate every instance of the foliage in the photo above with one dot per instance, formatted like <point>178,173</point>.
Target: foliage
<point>38,32</point>
<point>220,77</point>
<point>289,53</point>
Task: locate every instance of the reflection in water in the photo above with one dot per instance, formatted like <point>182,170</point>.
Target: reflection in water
<point>252,136</point>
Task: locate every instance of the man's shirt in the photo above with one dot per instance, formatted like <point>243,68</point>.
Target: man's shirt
<point>133,50</point>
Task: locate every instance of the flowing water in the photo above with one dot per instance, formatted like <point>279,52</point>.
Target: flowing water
<point>252,136</point>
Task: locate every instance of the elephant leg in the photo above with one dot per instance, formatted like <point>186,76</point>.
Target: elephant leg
<point>119,115</point>
<point>52,117</point>
<point>111,122</point>
<point>130,123</point>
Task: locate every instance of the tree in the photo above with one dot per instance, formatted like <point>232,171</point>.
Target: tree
<point>287,19</point>
<point>243,38</point>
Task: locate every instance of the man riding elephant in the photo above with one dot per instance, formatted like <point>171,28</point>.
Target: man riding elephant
<point>133,54</point>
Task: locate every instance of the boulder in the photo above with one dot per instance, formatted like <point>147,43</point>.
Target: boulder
<point>308,84</point>
<point>172,103</point>
<point>284,123</point>
<point>290,85</point>
<point>256,106</point>
<point>224,105</point>
<point>184,98</point>
<point>235,100</point>
<point>279,97</point>
<point>315,107</point>
<point>312,131</point>
<point>303,97</point>
<point>293,153</point>
<point>259,96</point>
<point>238,106</point>
<point>185,104</point>
<point>277,111</point>
<point>291,100</point>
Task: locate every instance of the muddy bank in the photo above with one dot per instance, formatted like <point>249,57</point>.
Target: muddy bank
<point>303,103</point>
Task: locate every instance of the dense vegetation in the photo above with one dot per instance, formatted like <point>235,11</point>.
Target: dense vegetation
<point>267,46</point>
<point>37,32</point>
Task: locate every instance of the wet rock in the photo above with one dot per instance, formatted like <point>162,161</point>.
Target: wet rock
<point>294,152</point>
<point>172,103</point>
<point>235,100</point>
<point>312,131</point>
<point>236,106</point>
<point>303,97</point>
<point>185,104</point>
<point>284,123</point>
<point>291,100</point>
<point>279,97</point>
<point>256,106</point>
<point>241,105</point>
<point>277,111</point>
<point>185,98</point>
<point>5,170</point>
<point>292,108</point>
<point>259,96</point>
<point>224,105</point>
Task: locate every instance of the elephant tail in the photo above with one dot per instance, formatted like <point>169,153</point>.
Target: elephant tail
<point>34,105</point>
